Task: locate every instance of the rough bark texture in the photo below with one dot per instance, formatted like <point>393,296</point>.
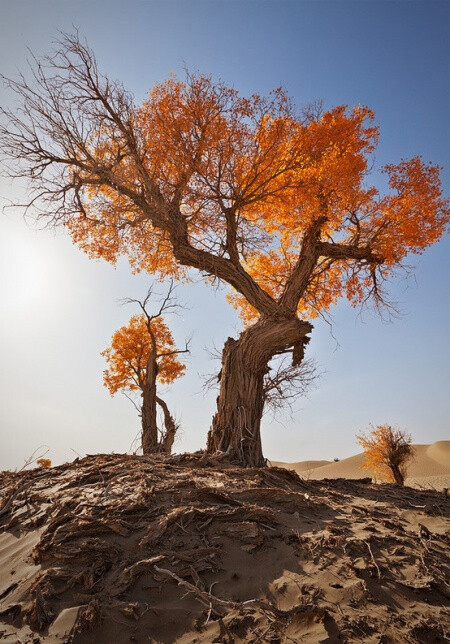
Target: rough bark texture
<point>397,474</point>
<point>236,425</point>
<point>149,427</point>
<point>168,438</point>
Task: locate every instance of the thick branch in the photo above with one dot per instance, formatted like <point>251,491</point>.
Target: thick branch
<point>300,277</point>
<point>230,217</point>
<point>343,251</point>
<point>223,268</point>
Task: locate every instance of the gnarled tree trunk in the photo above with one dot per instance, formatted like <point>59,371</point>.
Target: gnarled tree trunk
<point>236,425</point>
<point>149,427</point>
<point>397,473</point>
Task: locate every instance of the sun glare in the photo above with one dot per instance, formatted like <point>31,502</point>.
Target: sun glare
<point>25,271</point>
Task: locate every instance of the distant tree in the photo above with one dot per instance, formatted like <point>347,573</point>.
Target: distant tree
<point>142,353</point>
<point>248,191</point>
<point>387,452</point>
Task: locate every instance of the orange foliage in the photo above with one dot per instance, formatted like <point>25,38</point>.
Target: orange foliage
<point>387,452</point>
<point>44,462</point>
<point>128,355</point>
<point>207,150</point>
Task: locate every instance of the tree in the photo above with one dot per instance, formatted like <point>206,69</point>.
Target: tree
<point>387,452</point>
<point>247,191</point>
<point>142,353</point>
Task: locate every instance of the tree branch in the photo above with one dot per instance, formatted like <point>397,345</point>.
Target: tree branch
<point>299,279</point>
<point>343,251</point>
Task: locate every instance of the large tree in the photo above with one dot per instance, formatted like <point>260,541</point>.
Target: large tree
<point>247,191</point>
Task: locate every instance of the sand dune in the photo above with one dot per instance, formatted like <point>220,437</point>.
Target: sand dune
<point>429,468</point>
<point>302,467</point>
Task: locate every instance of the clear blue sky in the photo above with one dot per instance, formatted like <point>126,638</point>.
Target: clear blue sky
<point>58,309</point>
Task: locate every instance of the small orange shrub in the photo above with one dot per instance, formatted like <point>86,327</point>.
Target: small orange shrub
<point>44,462</point>
<point>387,452</point>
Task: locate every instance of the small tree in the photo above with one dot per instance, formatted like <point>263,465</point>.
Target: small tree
<point>387,452</point>
<point>142,353</point>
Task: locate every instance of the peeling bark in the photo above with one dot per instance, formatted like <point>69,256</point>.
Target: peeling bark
<point>236,425</point>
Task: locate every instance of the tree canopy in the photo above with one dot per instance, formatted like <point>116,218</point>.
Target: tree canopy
<point>130,349</point>
<point>274,202</point>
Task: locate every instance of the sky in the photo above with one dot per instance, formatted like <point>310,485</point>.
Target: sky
<point>58,309</point>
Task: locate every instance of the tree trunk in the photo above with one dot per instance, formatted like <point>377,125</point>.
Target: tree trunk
<point>167,440</point>
<point>397,474</point>
<point>236,425</point>
<point>149,427</point>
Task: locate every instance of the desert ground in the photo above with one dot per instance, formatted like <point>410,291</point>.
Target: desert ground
<point>120,548</point>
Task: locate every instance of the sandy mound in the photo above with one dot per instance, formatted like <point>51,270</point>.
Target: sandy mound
<point>440,452</point>
<point>185,549</point>
<point>430,461</point>
<point>303,467</point>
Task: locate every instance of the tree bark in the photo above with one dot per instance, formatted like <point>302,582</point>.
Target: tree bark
<point>397,474</point>
<point>149,427</point>
<point>167,440</point>
<point>236,425</point>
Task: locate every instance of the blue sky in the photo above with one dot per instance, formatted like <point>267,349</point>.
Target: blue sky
<point>59,309</point>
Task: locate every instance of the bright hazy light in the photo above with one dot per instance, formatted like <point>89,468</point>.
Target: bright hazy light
<point>24,273</point>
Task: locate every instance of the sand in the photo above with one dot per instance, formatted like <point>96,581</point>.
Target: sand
<point>430,467</point>
<point>118,548</point>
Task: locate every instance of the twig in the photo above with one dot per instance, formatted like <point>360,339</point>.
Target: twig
<point>203,597</point>
<point>268,527</point>
<point>260,638</point>
<point>210,603</point>
<point>32,458</point>
<point>373,560</point>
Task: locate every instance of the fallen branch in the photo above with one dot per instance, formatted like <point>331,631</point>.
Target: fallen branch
<point>208,599</point>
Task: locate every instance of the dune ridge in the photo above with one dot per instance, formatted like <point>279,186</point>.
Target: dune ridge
<point>430,467</point>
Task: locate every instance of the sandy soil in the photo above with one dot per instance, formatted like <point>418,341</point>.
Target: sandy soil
<point>114,549</point>
<point>429,469</point>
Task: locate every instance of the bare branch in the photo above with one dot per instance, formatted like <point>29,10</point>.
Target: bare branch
<point>133,402</point>
<point>285,383</point>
